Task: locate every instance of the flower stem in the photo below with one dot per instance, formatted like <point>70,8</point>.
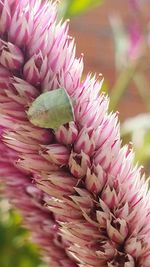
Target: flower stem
<point>121,85</point>
<point>143,88</point>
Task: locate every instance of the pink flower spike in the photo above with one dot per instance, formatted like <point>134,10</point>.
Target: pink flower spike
<point>56,154</point>
<point>78,164</point>
<point>21,25</point>
<point>67,134</point>
<point>35,69</point>
<point>85,141</point>
<point>5,16</point>
<point>11,56</point>
<point>84,201</point>
<point>95,179</point>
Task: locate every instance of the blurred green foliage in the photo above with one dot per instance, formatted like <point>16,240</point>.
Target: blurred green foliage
<point>15,249</point>
<point>69,8</point>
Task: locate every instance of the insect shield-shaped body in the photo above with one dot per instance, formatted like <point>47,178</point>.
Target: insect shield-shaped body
<point>51,109</point>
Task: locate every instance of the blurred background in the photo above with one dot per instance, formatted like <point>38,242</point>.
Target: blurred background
<point>115,39</point>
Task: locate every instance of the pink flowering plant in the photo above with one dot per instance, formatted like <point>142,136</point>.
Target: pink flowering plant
<point>61,161</point>
<point>132,46</point>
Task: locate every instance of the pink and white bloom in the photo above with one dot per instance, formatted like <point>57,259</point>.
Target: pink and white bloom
<point>79,193</point>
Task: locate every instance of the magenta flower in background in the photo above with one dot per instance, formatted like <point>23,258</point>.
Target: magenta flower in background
<point>134,4</point>
<point>135,49</point>
<point>135,31</point>
<point>79,193</point>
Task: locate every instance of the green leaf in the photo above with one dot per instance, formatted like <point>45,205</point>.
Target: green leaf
<point>74,7</point>
<point>15,249</point>
<point>51,109</point>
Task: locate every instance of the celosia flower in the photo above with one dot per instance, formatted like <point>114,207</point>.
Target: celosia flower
<point>79,193</point>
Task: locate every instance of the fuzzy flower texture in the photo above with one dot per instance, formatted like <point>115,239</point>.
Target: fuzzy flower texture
<point>78,191</point>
